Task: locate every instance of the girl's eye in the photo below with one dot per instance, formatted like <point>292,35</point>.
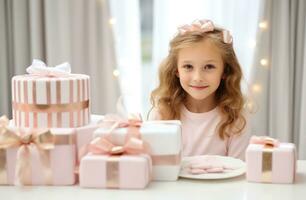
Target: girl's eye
<point>187,67</point>
<point>209,66</point>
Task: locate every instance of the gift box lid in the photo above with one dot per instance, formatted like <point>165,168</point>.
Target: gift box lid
<point>283,147</point>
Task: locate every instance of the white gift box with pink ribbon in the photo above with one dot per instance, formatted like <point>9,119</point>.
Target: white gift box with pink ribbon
<point>270,161</point>
<point>164,140</point>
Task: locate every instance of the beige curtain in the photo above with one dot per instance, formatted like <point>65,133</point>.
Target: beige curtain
<point>279,73</point>
<point>55,31</point>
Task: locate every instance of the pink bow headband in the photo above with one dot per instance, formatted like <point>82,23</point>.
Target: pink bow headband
<point>203,26</point>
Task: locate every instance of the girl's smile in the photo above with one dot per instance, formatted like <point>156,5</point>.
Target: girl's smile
<point>196,87</point>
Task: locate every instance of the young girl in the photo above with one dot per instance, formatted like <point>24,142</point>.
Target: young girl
<point>199,84</point>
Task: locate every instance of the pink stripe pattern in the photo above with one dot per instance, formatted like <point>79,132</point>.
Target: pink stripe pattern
<point>50,105</point>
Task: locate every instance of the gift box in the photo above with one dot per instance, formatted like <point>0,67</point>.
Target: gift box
<point>270,162</point>
<point>85,133</point>
<point>40,157</point>
<point>50,97</point>
<point>124,171</point>
<point>164,140</point>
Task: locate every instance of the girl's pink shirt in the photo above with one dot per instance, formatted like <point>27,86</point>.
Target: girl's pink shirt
<point>200,135</point>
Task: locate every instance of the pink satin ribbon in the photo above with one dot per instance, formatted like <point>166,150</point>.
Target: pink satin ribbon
<point>101,145</point>
<point>43,141</point>
<point>203,26</point>
<point>264,140</point>
<point>114,121</point>
<point>27,140</point>
<point>133,145</point>
<point>267,155</point>
<point>111,122</point>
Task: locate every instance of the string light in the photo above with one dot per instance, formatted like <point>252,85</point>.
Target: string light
<point>263,25</point>
<point>116,73</point>
<point>264,62</point>
<point>112,21</point>
<point>250,105</point>
<point>256,88</point>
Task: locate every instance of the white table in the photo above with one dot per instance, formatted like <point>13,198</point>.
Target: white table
<point>235,188</point>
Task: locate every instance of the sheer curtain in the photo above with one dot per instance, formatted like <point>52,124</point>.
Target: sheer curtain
<point>56,31</point>
<point>126,26</point>
<point>279,73</point>
<point>239,16</point>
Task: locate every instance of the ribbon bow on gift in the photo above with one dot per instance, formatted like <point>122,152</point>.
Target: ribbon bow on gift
<point>39,68</point>
<point>42,141</point>
<point>203,26</point>
<point>115,121</point>
<point>101,145</point>
<point>133,144</point>
<point>264,140</point>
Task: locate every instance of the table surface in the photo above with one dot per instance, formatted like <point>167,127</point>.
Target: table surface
<point>234,188</point>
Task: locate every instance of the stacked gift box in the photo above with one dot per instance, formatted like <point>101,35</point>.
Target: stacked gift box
<point>52,132</point>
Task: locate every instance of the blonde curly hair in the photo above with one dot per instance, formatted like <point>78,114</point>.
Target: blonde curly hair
<point>169,96</point>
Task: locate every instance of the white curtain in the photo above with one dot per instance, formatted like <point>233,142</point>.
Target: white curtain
<point>126,24</point>
<point>55,31</point>
<point>279,73</point>
<point>239,16</point>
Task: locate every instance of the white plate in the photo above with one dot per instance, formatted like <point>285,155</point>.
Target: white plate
<point>238,165</point>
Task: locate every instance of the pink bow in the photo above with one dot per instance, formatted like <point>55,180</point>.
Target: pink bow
<point>101,145</point>
<point>115,121</point>
<point>264,140</point>
<point>203,26</point>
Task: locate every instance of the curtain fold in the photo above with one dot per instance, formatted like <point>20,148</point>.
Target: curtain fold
<point>56,31</point>
<point>279,72</point>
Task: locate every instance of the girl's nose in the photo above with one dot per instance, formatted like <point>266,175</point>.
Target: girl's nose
<point>198,76</point>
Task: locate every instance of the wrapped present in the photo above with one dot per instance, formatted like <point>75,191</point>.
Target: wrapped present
<point>164,139</point>
<point>269,161</point>
<point>85,133</point>
<point>113,166</point>
<point>50,97</point>
<point>36,156</point>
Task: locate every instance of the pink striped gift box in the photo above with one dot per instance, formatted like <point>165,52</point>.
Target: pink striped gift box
<point>50,102</point>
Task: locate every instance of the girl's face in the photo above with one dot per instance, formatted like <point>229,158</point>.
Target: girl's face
<point>200,70</point>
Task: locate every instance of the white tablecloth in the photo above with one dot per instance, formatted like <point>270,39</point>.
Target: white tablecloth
<point>234,188</point>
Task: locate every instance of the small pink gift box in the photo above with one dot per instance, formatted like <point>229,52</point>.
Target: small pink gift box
<point>48,166</point>
<point>271,163</point>
<point>124,172</point>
